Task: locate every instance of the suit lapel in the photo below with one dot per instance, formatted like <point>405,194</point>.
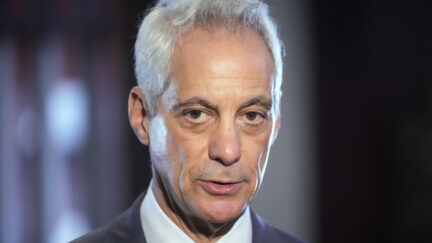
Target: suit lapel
<point>258,228</point>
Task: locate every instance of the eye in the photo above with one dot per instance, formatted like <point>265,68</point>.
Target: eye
<point>251,116</point>
<point>254,118</point>
<point>196,116</point>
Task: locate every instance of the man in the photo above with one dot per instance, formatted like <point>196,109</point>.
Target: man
<point>209,75</point>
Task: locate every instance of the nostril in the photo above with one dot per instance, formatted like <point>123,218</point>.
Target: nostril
<point>226,160</point>
<point>225,145</point>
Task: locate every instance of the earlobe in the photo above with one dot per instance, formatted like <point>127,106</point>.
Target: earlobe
<point>138,115</point>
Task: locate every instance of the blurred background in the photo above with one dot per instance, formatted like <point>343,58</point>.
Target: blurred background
<point>352,163</point>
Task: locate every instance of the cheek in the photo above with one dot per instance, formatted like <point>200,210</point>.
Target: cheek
<point>193,154</point>
<point>164,153</point>
<point>192,150</point>
<point>158,141</point>
<point>255,149</point>
<point>186,153</point>
<point>255,154</point>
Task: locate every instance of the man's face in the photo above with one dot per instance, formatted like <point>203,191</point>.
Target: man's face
<point>210,140</point>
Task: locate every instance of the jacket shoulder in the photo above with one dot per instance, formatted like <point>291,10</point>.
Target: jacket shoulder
<point>264,232</point>
<point>276,235</point>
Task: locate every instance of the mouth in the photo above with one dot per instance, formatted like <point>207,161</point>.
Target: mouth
<point>221,188</point>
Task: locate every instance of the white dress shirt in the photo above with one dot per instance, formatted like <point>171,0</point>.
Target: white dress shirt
<point>158,228</point>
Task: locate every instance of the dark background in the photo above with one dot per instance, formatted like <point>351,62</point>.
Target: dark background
<point>373,87</point>
<point>372,63</point>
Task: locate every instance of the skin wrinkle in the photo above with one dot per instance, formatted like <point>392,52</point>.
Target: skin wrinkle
<point>233,74</point>
<point>164,25</point>
<point>194,224</point>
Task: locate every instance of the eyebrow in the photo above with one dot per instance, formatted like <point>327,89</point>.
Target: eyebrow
<point>194,101</point>
<point>260,101</point>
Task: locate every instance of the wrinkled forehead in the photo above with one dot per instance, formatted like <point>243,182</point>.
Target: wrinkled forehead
<point>220,58</point>
<point>220,36</point>
<point>221,51</point>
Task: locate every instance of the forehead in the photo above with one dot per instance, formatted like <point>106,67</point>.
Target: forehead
<point>219,57</point>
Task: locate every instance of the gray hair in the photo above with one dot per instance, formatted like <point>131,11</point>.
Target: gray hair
<point>170,18</point>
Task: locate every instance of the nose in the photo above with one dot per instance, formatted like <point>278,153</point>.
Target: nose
<point>225,144</point>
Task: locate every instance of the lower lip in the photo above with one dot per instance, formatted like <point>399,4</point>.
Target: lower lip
<point>221,189</point>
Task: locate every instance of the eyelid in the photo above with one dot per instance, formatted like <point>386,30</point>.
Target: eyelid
<point>260,118</point>
<point>186,114</point>
<point>187,110</point>
<point>262,112</point>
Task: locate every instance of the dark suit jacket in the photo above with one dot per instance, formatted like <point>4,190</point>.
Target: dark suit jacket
<point>126,228</point>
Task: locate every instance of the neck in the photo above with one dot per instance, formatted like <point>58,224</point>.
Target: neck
<point>198,229</point>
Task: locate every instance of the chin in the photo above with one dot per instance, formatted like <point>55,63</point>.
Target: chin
<point>220,210</point>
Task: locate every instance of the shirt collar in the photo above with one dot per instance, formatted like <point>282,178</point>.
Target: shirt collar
<point>159,228</point>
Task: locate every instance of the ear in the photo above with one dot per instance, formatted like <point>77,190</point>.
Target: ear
<point>139,115</point>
